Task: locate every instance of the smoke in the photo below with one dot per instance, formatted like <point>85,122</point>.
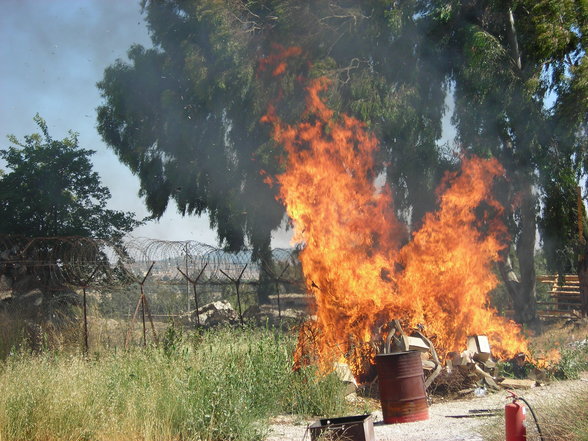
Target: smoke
<point>52,55</point>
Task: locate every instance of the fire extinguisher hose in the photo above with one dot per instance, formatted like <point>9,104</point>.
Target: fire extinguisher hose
<point>516,397</point>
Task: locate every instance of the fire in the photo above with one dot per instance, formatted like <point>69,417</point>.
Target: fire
<point>356,259</point>
<point>277,60</point>
<point>447,265</point>
<point>548,360</point>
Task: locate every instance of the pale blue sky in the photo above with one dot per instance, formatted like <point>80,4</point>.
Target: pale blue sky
<point>52,54</point>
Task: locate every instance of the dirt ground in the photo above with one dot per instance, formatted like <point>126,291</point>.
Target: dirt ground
<point>448,420</point>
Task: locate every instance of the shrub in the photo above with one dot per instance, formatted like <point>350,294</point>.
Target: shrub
<point>574,360</point>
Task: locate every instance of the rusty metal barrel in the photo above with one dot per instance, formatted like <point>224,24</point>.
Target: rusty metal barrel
<point>402,387</point>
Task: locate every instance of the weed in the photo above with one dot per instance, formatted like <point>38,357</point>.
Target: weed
<point>560,419</point>
<point>573,361</point>
<point>217,385</point>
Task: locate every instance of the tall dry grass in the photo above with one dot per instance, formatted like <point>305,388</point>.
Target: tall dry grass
<point>560,419</point>
<point>217,385</point>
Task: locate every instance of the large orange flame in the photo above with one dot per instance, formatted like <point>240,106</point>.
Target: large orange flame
<point>353,257</point>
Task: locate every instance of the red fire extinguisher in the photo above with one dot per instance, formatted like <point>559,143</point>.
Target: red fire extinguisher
<point>514,420</point>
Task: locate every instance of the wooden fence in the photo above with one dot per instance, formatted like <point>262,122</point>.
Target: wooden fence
<point>564,297</point>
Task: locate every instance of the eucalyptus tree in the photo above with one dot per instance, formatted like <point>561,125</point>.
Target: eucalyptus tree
<point>185,115</point>
<point>519,73</point>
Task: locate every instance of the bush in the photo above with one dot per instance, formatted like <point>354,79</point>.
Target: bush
<point>574,360</point>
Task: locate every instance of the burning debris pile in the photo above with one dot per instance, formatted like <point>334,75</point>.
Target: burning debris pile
<point>361,264</point>
<point>473,369</point>
<point>475,362</point>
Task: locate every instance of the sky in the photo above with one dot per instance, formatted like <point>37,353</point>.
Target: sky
<point>52,54</point>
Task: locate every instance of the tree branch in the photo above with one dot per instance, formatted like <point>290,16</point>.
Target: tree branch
<point>354,64</point>
<point>513,41</point>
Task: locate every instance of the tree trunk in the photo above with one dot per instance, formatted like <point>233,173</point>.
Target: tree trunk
<point>521,289</point>
<point>526,310</point>
<point>513,43</point>
<point>582,253</point>
<point>263,256</point>
<point>266,285</point>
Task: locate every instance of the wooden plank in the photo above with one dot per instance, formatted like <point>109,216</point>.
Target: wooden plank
<point>568,278</point>
<point>513,383</point>
<point>557,312</point>
<point>564,296</point>
<point>555,316</point>
<point>560,303</point>
<point>572,287</point>
<point>570,293</point>
<point>567,301</point>
<point>560,307</point>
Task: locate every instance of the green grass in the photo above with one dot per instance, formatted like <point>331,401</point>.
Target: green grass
<point>217,385</point>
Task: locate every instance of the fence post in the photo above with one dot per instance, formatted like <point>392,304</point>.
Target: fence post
<point>194,282</point>
<point>237,283</point>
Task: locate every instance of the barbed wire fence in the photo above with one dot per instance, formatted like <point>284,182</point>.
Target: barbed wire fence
<point>176,273</point>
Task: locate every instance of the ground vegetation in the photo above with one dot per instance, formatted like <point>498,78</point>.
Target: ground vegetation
<point>211,385</point>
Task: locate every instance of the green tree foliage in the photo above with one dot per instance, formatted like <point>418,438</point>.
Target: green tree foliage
<point>185,115</point>
<point>51,190</point>
<point>559,221</point>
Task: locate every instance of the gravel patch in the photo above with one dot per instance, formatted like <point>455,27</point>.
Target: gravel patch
<point>442,424</point>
